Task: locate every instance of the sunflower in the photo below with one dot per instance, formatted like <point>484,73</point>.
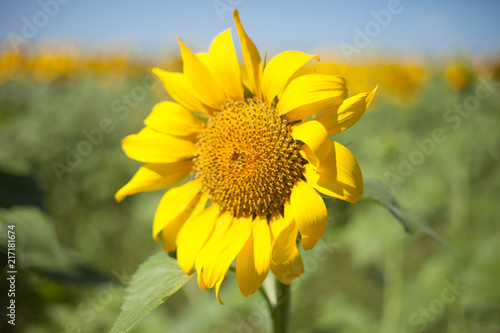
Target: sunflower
<point>258,163</point>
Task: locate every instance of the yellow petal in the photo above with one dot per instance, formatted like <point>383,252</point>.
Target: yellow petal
<point>223,63</point>
<point>252,263</point>
<point>339,119</point>
<point>279,70</point>
<point>310,94</point>
<point>193,236</point>
<point>213,244</point>
<point>251,57</point>
<point>262,245</point>
<point>176,206</point>
<point>369,99</point>
<point>217,287</point>
<point>276,224</point>
<point>338,174</point>
<point>219,257</point>
<point>173,119</point>
<point>201,282</point>
<point>309,212</point>
<point>313,134</point>
<point>180,90</point>
<point>155,176</point>
<point>170,232</point>
<point>286,262</point>
<point>205,86</point>
<point>246,274</point>
<point>153,147</point>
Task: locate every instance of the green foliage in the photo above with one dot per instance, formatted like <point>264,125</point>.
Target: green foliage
<point>155,281</point>
<point>376,193</point>
<point>368,275</point>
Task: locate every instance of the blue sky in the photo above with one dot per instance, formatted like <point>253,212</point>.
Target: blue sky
<point>422,26</point>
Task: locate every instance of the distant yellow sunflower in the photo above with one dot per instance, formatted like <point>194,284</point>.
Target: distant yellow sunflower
<point>457,75</point>
<point>258,164</point>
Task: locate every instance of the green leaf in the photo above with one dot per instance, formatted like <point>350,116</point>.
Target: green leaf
<point>156,280</point>
<point>375,192</point>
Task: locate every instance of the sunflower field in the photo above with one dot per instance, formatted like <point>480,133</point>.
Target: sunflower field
<point>418,253</point>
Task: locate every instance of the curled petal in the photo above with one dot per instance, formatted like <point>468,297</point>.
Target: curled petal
<point>313,134</point>
<point>339,119</point>
<point>310,94</point>
<point>338,175</point>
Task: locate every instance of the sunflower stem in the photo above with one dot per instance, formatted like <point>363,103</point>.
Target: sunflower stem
<point>268,301</point>
<point>281,308</point>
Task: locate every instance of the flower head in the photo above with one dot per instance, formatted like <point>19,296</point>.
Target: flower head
<point>258,162</point>
<point>457,75</point>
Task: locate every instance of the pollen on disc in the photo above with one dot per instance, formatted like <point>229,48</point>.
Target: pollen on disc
<point>248,161</point>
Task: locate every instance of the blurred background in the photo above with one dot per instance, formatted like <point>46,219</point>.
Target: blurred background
<point>75,79</point>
